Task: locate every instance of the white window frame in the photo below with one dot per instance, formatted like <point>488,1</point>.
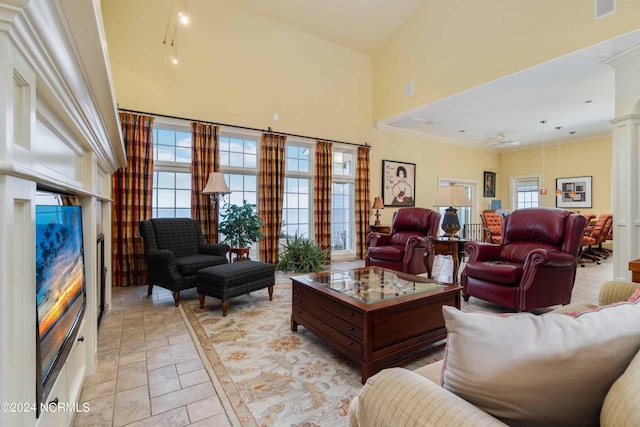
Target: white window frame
<point>228,132</point>
<point>166,166</point>
<point>513,188</point>
<point>345,179</point>
<point>310,145</point>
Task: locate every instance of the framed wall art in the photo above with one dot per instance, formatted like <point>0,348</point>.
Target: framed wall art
<point>398,183</point>
<point>575,192</point>
<point>489,184</point>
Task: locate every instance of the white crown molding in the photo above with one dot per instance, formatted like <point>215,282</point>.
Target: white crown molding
<point>423,135</point>
<point>8,12</point>
<point>64,42</point>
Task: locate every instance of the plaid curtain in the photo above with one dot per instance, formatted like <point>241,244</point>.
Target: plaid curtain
<point>271,194</point>
<point>205,158</point>
<point>322,194</point>
<point>362,201</point>
<point>132,190</point>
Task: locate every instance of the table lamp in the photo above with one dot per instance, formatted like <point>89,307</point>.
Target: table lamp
<point>377,205</point>
<point>215,187</point>
<point>451,196</point>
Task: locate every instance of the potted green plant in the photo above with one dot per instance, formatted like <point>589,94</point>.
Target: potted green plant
<point>240,225</point>
<point>301,255</point>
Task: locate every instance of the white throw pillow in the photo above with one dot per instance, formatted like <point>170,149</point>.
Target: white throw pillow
<point>552,369</point>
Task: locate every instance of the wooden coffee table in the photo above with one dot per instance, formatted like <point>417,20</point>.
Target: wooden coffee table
<point>374,316</point>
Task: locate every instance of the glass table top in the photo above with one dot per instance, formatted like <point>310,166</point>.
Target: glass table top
<point>371,285</point>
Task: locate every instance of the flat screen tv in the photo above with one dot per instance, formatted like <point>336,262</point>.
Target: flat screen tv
<point>60,286</point>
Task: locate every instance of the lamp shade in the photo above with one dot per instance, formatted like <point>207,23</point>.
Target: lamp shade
<point>377,203</point>
<point>451,195</point>
<point>216,184</point>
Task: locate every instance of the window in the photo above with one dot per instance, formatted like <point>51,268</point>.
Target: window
<point>239,163</point>
<point>297,205</point>
<point>343,201</point>
<point>172,172</point>
<point>526,193</point>
<point>238,152</point>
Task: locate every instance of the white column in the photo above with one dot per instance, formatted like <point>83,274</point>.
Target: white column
<point>625,179</point>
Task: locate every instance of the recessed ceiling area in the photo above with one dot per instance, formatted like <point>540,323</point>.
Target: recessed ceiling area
<point>575,92</point>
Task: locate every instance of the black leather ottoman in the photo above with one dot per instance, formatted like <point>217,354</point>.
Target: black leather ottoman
<point>230,280</point>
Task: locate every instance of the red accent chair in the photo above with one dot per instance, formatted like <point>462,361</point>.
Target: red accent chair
<point>533,267</point>
<point>403,250</point>
<point>492,225</point>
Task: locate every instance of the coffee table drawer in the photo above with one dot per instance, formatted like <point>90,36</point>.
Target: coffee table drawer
<point>320,313</point>
<point>331,305</point>
<point>344,343</point>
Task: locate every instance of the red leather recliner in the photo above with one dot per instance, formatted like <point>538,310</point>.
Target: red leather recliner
<point>535,264</point>
<point>403,249</point>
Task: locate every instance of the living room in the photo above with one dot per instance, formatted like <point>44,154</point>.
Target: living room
<point>243,69</point>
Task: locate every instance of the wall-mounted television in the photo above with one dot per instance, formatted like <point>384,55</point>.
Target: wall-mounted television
<point>60,285</point>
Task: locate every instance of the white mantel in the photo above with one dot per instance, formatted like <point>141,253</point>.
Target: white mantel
<point>58,126</point>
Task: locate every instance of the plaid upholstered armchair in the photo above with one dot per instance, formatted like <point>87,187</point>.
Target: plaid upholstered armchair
<point>174,250</point>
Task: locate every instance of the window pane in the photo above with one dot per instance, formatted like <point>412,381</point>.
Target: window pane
<point>172,188</point>
<point>235,159</point>
<point>166,137</point>
<point>165,198</point>
<point>183,198</point>
<point>183,155</point>
<point>183,213</point>
<point>250,182</point>
<point>343,226</point>
<point>250,147</point>
<point>166,153</point>
<point>183,181</point>
<point>297,217</point>
<point>238,152</point>
<point>527,193</point>
<point>250,161</point>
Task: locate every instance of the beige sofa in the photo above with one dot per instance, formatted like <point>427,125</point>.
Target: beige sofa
<point>399,397</point>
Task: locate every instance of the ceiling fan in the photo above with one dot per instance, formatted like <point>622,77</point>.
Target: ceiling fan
<point>502,141</point>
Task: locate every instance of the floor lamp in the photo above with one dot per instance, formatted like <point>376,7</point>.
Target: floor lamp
<point>216,186</point>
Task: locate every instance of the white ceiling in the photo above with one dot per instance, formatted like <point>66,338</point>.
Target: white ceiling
<point>511,107</point>
<point>575,92</point>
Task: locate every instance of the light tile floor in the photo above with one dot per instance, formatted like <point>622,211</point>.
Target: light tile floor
<point>149,372</point>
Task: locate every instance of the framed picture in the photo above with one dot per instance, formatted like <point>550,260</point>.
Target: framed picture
<point>398,183</point>
<point>489,184</point>
<point>575,192</point>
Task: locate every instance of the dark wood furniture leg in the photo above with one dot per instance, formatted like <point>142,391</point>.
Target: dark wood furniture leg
<point>201,299</point>
<point>176,297</point>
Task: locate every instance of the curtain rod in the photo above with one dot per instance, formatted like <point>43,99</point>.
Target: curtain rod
<point>240,127</point>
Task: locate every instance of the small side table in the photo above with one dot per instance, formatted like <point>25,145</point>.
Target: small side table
<point>445,246</point>
<point>384,229</point>
<point>242,254</point>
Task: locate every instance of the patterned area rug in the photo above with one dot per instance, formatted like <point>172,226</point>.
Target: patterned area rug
<point>268,375</point>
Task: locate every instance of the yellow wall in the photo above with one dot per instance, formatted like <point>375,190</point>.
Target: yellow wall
<point>587,158</point>
<point>238,68</point>
<point>434,161</point>
<point>447,46</point>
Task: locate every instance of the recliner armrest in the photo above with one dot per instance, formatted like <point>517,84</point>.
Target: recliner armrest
<point>482,251</point>
<point>547,258</point>
<point>219,249</point>
<point>379,239</point>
